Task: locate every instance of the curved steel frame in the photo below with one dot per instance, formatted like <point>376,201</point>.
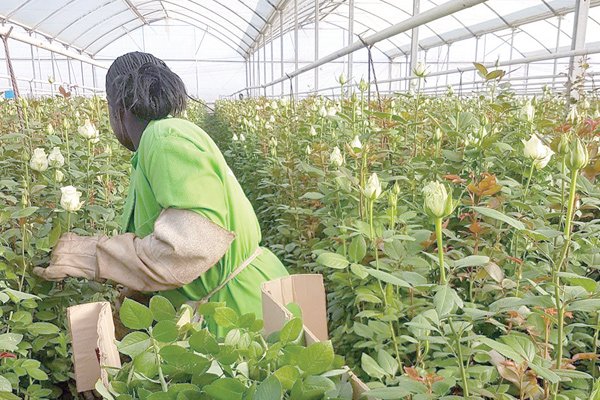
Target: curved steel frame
<point>207,21</point>
<point>228,43</point>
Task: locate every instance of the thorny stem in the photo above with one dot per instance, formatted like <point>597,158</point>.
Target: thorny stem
<point>556,280</point>
<point>529,179</point>
<point>461,366</point>
<point>595,346</point>
<point>161,377</point>
<point>438,234</point>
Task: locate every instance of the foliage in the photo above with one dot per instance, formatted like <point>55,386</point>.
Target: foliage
<point>517,315</point>
<point>35,357</point>
<point>172,357</point>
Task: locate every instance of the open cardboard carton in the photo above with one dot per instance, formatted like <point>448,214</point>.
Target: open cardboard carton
<point>308,292</point>
<point>94,348</point>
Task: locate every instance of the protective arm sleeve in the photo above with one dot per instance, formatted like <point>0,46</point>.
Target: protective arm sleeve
<point>183,245</point>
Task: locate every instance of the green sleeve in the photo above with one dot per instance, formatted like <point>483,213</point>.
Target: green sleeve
<point>183,175</point>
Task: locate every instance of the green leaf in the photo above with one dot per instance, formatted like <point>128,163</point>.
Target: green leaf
<point>203,342</point>
<point>100,388</point>
<point>161,308</point>
<point>446,301</point>
<point>577,280</point>
<point>290,331</point>
<point>357,249</point>
<point>165,331</point>
<point>387,277</point>
<point>5,385</point>
<point>491,213</point>
<point>313,196</point>
<point>8,396</point>
<point>503,349</point>
<point>9,341</point>
<point>37,374</point>
<point>359,270</point>
<point>316,358</point>
<point>496,74</point>
<point>370,366</point>
<point>24,212</point>
<point>42,328</point>
<point>481,69</point>
<point>387,393</point>
<point>134,343</point>
<point>471,261</point>
<point>287,375</point>
<point>226,317</point>
<point>332,260</point>
<point>269,389</point>
<point>225,389</point>
<point>521,345</point>
<point>387,362</point>
<point>587,305</point>
<point>135,315</point>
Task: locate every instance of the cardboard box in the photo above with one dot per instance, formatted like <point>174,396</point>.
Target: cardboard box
<point>308,292</point>
<point>94,347</point>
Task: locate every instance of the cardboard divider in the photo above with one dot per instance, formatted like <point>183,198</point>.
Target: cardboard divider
<point>308,292</point>
<point>93,336</point>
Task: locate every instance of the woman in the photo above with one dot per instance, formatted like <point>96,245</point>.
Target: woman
<point>191,231</point>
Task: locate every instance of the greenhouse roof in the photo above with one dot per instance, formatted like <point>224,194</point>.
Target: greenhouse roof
<point>90,26</point>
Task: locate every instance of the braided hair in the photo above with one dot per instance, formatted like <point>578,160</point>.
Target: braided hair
<point>143,84</point>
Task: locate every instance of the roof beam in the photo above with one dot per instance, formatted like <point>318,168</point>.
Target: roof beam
<point>4,30</point>
<point>136,11</point>
<point>489,26</point>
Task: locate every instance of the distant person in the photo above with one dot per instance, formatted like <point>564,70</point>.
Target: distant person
<point>191,231</point>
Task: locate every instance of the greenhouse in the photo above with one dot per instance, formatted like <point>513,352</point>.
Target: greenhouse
<point>299,199</point>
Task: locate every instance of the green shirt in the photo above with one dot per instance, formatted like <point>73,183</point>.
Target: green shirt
<point>178,165</point>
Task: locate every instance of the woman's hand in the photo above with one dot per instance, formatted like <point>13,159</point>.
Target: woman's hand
<point>73,256</point>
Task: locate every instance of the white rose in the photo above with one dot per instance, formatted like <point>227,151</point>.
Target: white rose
<point>88,130</point>
<point>322,112</point>
<point>69,199</point>
<point>242,137</point>
<point>39,161</point>
<point>356,144</point>
<point>55,158</point>
<point>373,188</point>
<point>313,131</point>
<point>336,158</point>
<point>537,151</point>
<point>308,150</point>
<point>437,203</point>
<point>331,112</point>
<point>528,111</point>
<point>59,176</point>
<point>235,138</point>
<point>420,70</point>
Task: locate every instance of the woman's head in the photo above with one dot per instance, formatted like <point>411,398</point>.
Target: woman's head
<point>141,88</point>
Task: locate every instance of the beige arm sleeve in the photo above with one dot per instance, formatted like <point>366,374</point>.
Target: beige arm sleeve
<point>183,245</point>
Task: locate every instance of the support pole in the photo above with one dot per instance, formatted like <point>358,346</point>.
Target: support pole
<point>258,80</point>
<point>316,84</point>
<point>555,69</point>
<point>265,62</point>
<point>272,60</point>
<point>13,78</point>
<point>295,45</point>
<point>350,37</point>
<point>414,39</point>
<point>33,69</point>
<point>281,47</point>
<point>94,78</point>
<point>582,8</point>
<point>476,57</point>
<point>390,67</point>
